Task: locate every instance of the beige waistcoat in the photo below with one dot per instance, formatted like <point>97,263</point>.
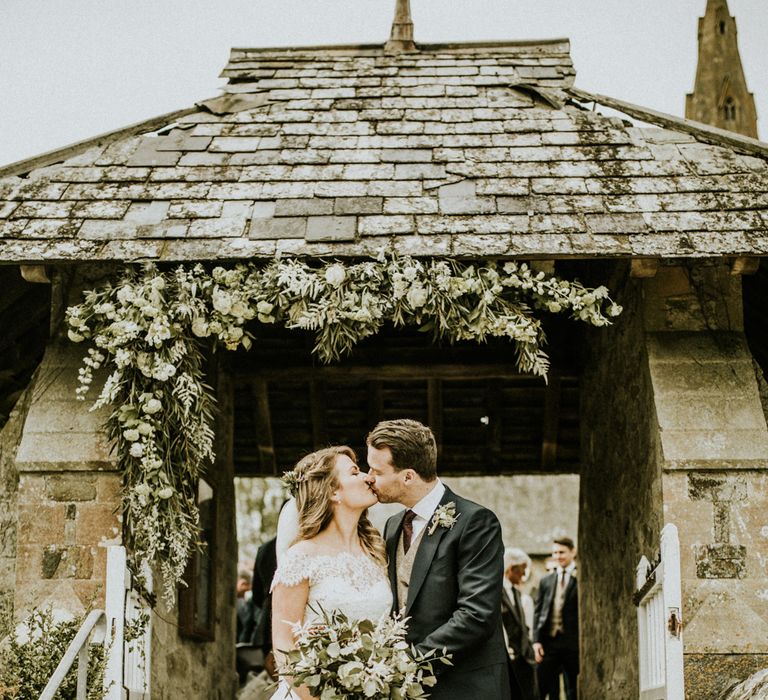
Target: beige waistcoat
<point>404,566</point>
<point>558,600</point>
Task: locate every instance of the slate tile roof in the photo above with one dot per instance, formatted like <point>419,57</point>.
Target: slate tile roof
<point>456,149</point>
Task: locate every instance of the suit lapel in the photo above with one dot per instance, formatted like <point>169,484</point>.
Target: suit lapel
<point>426,553</point>
<point>549,593</point>
<point>506,600</point>
<point>569,589</point>
<point>517,606</point>
<point>392,540</point>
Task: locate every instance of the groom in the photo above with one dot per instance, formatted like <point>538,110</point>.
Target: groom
<point>445,563</point>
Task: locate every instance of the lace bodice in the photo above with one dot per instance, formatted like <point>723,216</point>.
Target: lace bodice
<point>351,583</point>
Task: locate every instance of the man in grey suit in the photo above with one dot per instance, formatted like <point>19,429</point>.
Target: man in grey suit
<point>522,660</point>
<point>445,564</point>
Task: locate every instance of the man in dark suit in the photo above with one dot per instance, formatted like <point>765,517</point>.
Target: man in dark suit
<point>263,572</point>
<point>556,624</point>
<point>522,660</point>
<point>445,564</point>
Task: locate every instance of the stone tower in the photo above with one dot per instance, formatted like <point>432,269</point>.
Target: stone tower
<point>720,96</point>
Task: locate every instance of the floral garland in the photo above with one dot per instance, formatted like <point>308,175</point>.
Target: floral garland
<point>148,328</point>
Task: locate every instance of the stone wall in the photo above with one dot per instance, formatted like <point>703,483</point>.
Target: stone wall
<point>206,669</point>
<point>68,512</point>
<point>620,516</point>
<point>68,494</point>
<point>10,435</point>
<point>715,447</point>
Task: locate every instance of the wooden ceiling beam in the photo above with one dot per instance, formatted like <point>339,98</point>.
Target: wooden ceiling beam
<point>389,372</point>
<point>745,266</point>
<point>644,267</point>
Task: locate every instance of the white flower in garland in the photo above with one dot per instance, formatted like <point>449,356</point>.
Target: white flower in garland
<point>152,406</point>
<point>335,275</point>
<point>417,296</point>
<point>136,450</point>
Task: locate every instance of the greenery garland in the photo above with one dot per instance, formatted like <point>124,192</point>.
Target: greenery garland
<point>149,326</point>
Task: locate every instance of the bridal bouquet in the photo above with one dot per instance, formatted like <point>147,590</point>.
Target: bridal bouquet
<point>337,659</point>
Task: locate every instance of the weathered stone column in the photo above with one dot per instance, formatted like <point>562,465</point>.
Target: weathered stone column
<point>10,435</point>
<point>714,448</point>
<point>68,493</point>
<point>620,495</point>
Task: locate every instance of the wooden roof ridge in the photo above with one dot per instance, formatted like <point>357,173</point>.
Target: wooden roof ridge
<point>423,47</point>
<point>702,132</point>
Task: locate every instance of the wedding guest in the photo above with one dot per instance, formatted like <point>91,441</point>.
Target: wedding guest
<point>556,624</point>
<point>262,686</point>
<point>243,602</point>
<point>522,660</point>
<point>263,572</point>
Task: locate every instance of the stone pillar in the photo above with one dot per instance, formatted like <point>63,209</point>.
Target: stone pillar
<point>620,495</point>
<point>714,451</point>
<point>10,435</point>
<point>68,493</point>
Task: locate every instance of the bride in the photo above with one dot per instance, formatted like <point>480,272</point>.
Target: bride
<point>338,561</point>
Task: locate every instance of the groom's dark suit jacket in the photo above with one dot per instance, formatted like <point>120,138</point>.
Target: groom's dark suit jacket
<point>454,600</point>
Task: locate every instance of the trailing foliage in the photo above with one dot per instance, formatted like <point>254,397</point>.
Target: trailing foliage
<point>148,328</point>
<point>27,664</point>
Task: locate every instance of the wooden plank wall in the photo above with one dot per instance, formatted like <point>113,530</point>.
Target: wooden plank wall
<point>494,423</point>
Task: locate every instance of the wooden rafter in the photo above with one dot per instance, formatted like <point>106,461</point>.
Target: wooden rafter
<point>435,410</point>
<point>263,424</point>
<point>375,402</point>
<point>318,406</point>
<point>551,423</point>
<point>494,406</point>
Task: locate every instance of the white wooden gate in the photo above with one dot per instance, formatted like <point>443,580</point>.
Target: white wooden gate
<point>128,661</point>
<point>658,599</point>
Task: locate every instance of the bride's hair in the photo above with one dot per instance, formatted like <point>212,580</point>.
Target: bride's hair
<point>315,482</point>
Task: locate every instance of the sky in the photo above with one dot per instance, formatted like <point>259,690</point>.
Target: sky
<point>72,69</point>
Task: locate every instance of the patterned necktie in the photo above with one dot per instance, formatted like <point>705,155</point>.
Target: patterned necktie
<point>408,529</point>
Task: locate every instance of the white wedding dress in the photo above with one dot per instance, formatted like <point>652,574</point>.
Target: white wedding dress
<point>351,583</point>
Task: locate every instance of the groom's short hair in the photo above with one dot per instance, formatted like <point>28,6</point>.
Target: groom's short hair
<point>412,445</point>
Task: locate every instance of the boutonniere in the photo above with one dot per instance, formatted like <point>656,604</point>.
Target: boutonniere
<point>445,516</point>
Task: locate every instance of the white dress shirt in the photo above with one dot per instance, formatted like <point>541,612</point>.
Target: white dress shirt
<point>426,507</point>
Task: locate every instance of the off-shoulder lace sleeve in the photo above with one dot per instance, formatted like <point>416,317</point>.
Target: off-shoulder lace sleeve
<point>294,568</point>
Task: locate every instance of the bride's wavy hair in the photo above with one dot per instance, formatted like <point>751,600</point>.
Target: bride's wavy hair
<point>315,482</point>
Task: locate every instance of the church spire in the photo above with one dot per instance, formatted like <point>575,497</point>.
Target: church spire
<point>401,37</point>
<point>720,96</point>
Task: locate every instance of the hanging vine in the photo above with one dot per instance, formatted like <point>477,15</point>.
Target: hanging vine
<point>149,328</point>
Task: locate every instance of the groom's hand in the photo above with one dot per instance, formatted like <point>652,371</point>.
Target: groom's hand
<point>538,649</point>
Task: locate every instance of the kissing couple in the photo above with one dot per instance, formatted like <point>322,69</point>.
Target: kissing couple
<point>440,560</point>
